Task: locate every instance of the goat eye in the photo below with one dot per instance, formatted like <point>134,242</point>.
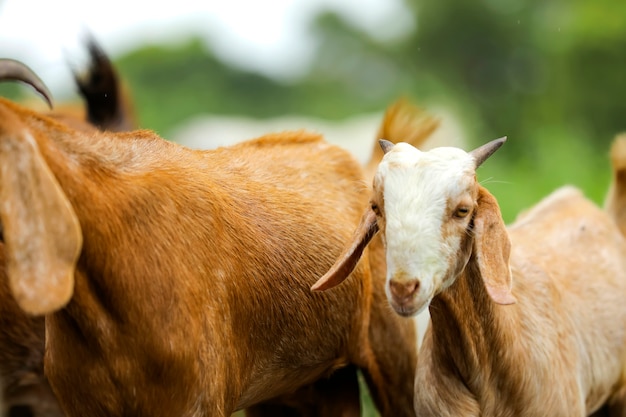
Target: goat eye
<point>461,212</point>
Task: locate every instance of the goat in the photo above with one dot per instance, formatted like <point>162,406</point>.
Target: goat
<point>554,344</point>
<point>24,387</point>
<point>180,275</point>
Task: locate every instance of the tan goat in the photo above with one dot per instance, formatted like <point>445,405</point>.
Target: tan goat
<point>176,281</point>
<point>553,345</point>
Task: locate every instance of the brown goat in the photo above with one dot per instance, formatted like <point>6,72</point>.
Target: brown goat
<point>27,390</point>
<point>24,389</point>
<point>183,275</point>
<point>402,120</point>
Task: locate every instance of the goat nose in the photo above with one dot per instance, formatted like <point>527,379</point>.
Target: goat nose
<point>403,290</point>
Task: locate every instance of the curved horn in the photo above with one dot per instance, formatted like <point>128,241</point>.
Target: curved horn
<point>483,152</point>
<point>11,69</point>
<point>385,145</point>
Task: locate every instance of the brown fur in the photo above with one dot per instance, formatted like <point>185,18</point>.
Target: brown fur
<point>21,357</point>
<point>22,336</point>
<point>192,282</point>
<point>402,121</point>
<point>24,385</point>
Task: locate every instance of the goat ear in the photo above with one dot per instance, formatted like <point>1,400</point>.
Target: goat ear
<point>492,249</point>
<point>41,231</point>
<point>348,260</point>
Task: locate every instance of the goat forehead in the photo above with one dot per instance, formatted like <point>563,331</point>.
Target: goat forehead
<point>417,188</point>
<point>405,154</point>
<point>423,182</point>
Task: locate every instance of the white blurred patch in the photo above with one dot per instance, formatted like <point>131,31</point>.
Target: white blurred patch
<point>356,134</point>
<point>422,321</point>
<point>273,37</point>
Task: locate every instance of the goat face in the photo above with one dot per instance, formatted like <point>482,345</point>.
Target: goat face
<point>425,202</point>
<point>434,216</point>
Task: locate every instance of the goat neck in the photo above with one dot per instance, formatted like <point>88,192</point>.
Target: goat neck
<point>467,326</point>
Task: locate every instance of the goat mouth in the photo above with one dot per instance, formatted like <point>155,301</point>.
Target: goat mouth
<point>408,308</point>
<point>404,312</point>
<point>405,309</point>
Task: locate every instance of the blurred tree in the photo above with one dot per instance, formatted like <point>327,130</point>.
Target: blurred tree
<point>510,67</point>
<point>546,73</point>
<point>171,84</point>
<point>525,66</point>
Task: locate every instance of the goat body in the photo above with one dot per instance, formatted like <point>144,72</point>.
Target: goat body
<point>561,349</point>
<point>191,282</point>
<point>553,344</point>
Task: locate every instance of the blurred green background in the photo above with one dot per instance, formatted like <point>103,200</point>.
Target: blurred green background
<point>549,74</point>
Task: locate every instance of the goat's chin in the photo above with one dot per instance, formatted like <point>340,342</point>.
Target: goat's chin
<point>409,308</point>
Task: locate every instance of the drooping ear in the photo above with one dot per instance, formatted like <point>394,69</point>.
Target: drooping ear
<point>483,152</point>
<point>348,260</point>
<point>41,231</point>
<point>492,249</point>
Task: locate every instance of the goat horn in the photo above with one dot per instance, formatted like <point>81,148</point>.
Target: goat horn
<point>483,152</point>
<point>11,69</point>
<point>385,145</point>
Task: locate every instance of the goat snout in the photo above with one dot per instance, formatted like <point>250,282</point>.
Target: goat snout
<point>404,291</point>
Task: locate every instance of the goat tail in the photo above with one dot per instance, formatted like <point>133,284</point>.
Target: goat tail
<point>402,122</point>
<point>615,202</point>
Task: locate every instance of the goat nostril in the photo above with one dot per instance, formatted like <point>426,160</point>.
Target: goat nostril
<point>403,290</point>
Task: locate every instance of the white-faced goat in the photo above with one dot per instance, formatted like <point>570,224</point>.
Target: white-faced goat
<point>528,321</point>
<point>175,282</point>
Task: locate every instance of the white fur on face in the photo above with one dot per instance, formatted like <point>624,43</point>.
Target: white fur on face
<point>419,190</point>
